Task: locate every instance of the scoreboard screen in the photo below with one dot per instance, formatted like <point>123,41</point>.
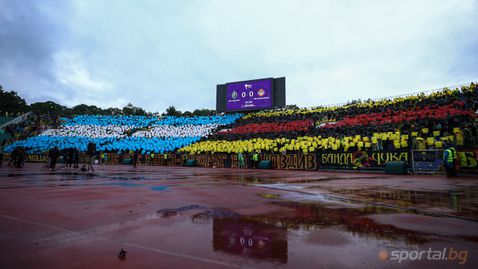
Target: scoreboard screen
<point>249,95</point>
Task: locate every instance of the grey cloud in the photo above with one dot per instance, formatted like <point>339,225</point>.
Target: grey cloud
<point>28,37</point>
<point>160,53</point>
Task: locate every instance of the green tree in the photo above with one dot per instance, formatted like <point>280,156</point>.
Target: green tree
<point>204,112</point>
<point>87,110</point>
<point>49,107</point>
<point>11,103</point>
<point>130,109</point>
<point>171,111</point>
<point>113,111</point>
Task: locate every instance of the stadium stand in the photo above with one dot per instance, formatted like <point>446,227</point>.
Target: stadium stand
<point>273,127</point>
<point>32,124</point>
<point>187,130</point>
<point>414,122</point>
<point>95,120</point>
<point>4,120</point>
<point>124,133</point>
<point>420,121</point>
<point>200,120</point>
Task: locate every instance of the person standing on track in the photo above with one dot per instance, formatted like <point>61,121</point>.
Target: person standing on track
<point>166,159</point>
<point>54,154</point>
<point>255,159</point>
<point>151,158</point>
<point>76,158</point>
<point>240,158</point>
<point>69,160</point>
<point>453,154</point>
<point>105,158</point>
<point>135,159</point>
<point>449,162</point>
<point>185,158</point>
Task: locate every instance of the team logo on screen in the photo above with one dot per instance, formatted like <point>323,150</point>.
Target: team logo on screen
<point>261,92</point>
<point>234,95</point>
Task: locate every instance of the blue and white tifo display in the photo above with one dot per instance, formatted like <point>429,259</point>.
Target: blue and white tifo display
<point>125,133</point>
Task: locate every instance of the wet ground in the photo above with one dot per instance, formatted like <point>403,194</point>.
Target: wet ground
<point>175,217</point>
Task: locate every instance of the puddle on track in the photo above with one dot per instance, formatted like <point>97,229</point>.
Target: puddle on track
<point>459,201</point>
<point>159,188</point>
<point>280,237</point>
<point>301,234</point>
<point>169,212</point>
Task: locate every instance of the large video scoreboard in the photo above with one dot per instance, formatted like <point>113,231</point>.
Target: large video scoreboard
<point>257,94</point>
<point>248,95</point>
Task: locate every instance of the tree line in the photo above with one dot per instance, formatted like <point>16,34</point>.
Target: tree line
<point>13,104</point>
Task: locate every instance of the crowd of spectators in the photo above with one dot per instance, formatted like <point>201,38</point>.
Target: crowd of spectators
<point>32,125</point>
<point>200,120</point>
<point>41,144</point>
<point>92,131</point>
<point>124,133</point>
<point>270,127</point>
<point>401,116</point>
<point>467,94</point>
<point>148,145</point>
<point>187,130</point>
<point>421,121</point>
<point>446,117</point>
<point>121,120</point>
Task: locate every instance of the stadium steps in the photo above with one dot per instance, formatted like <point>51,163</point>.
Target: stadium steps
<point>4,120</point>
<point>15,120</point>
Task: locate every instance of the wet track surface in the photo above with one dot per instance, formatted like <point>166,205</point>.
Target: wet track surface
<point>174,217</point>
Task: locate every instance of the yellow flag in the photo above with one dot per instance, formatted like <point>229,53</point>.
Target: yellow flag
<point>430,141</point>
<point>396,143</point>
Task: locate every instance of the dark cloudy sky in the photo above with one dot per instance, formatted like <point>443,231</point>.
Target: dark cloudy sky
<point>160,53</point>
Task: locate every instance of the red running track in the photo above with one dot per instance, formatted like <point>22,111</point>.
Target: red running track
<point>174,217</point>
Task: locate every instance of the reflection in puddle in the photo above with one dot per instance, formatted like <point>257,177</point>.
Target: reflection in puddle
<point>269,195</point>
<point>122,184</point>
<point>159,188</point>
<point>250,238</point>
<point>463,201</point>
<point>247,179</point>
<point>77,175</point>
<point>71,174</point>
<point>354,220</point>
<point>127,178</point>
<point>215,213</point>
<point>169,212</point>
<point>254,179</point>
<point>265,236</point>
